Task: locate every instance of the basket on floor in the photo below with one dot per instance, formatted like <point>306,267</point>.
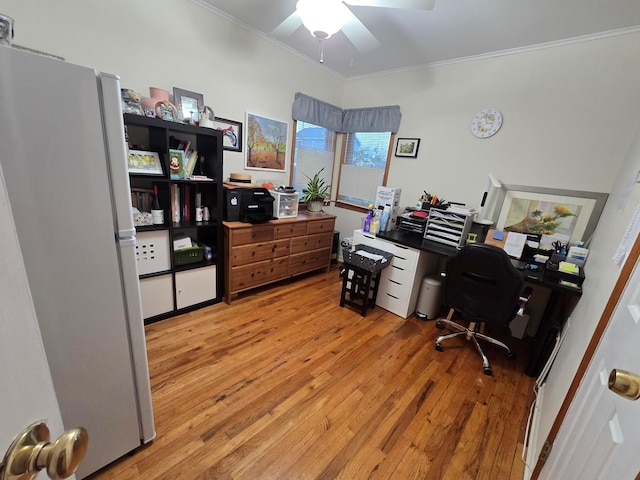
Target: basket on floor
<point>352,257</point>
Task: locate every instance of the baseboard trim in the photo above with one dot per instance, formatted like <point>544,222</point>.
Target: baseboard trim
<point>531,443</point>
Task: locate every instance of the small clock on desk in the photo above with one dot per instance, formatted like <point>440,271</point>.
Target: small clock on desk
<point>486,123</point>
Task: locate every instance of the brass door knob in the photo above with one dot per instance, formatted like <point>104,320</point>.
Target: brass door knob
<point>625,384</point>
<point>31,452</point>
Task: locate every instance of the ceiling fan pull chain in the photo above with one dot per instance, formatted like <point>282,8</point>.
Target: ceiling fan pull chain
<point>321,51</point>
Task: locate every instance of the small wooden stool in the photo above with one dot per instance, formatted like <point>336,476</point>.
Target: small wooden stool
<point>362,286</point>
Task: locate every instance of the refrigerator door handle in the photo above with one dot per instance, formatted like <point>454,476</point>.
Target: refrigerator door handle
<point>117,154</point>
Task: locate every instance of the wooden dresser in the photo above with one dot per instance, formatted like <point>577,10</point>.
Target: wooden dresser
<point>256,255</point>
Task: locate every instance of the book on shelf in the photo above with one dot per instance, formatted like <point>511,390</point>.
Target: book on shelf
<point>186,204</point>
<point>176,163</point>
<point>192,159</point>
<point>175,204</point>
<point>141,199</point>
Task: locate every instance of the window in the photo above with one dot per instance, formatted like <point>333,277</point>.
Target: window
<point>314,149</point>
<point>364,167</point>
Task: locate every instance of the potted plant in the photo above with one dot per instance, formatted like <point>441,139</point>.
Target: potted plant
<point>315,192</point>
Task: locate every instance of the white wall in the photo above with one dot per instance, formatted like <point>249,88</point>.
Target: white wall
<point>570,112</point>
<point>176,43</point>
<point>569,115</point>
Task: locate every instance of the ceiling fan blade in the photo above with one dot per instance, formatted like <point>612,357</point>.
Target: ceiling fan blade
<point>288,26</point>
<point>359,35</point>
<point>413,4</point>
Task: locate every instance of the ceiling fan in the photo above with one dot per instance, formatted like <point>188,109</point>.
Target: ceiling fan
<point>323,18</point>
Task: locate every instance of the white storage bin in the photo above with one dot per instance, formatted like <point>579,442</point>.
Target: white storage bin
<point>157,295</point>
<point>152,251</point>
<point>195,286</point>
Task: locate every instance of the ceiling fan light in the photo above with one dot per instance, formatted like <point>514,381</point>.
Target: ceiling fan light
<point>322,18</point>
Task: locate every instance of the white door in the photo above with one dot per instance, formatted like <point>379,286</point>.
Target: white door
<point>600,435</point>
<point>26,387</point>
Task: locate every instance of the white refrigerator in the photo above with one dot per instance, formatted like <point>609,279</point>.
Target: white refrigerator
<point>63,154</point>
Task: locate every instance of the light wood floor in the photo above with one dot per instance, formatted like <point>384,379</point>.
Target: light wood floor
<point>285,384</point>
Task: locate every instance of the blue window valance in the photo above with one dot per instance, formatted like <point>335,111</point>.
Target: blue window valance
<point>371,119</point>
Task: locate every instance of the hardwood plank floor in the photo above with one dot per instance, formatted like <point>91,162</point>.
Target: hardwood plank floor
<point>285,384</point>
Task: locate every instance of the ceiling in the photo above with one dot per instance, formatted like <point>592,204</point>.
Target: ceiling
<point>454,29</point>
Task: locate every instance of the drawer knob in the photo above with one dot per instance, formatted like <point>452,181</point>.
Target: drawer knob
<point>253,254</point>
<point>273,249</point>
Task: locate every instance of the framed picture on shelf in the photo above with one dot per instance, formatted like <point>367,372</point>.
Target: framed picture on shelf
<point>188,104</point>
<point>266,143</point>
<point>407,147</point>
<point>147,163</point>
<point>231,133</point>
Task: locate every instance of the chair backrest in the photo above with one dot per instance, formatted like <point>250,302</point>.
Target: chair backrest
<point>482,284</point>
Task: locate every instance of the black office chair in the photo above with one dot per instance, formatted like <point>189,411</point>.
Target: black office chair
<point>482,284</point>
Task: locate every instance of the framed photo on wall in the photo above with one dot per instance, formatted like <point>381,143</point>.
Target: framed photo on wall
<point>231,133</point>
<point>266,143</point>
<point>407,147</point>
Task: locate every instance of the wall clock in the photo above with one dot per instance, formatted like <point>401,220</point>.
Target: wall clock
<point>486,123</point>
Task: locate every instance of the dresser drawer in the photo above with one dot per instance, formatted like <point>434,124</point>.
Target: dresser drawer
<point>255,234</point>
<point>288,230</point>
<point>258,273</point>
<point>320,226</point>
<point>257,252</point>
<point>311,242</point>
<point>305,262</point>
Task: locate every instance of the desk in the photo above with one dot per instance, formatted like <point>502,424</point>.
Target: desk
<point>561,300</point>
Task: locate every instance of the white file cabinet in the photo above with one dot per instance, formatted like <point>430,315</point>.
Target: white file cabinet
<point>399,282</point>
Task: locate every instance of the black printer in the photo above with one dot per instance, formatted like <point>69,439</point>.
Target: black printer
<point>250,205</point>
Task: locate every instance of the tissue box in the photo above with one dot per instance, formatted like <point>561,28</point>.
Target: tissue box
<point>181,241</point>
<point>142,219</point>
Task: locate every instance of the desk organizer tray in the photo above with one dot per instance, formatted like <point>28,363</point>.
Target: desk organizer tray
<point>370,263</point>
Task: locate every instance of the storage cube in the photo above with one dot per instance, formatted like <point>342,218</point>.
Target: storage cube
<point>152,252</point>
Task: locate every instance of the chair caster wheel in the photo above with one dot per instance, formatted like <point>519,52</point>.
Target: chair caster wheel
<point>488,371</point>
<point>439,347</point>
<point>439,324</point>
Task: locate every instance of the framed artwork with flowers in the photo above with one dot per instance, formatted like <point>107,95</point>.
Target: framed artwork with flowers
<point>547,211</point>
